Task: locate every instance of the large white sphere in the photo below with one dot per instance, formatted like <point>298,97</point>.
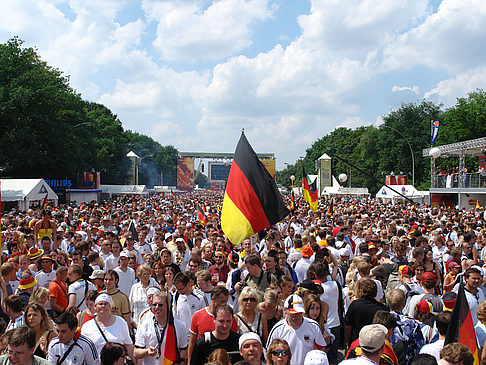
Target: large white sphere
<point>342,178</point>
<point>434,152</point>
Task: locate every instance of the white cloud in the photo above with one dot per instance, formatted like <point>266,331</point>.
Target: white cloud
<point>397,88</point>
<point>189,31</point>
<point>447,40</point>
<point>448,90</point>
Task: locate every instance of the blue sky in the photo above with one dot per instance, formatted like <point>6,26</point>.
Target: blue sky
<point>192,73</point>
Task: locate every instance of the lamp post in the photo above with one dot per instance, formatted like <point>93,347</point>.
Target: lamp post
<point>409,146</point>
<point>292,178</point>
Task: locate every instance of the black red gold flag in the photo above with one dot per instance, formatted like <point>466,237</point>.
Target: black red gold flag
<point>201,216</point>
<point>310,191</point>
<point>252,201</point>
<point>461,326</point>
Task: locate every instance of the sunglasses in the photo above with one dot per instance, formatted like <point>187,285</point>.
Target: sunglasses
<point>279,352</point>
<point>155,305</point>
<point>249,300</point>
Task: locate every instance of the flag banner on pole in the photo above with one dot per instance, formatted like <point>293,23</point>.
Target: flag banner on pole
<point>44,202</point>
<point>292,201</point>
<point>201,216</point>
<point>330,210</point>
<point>435,131</point>
<point>310,191</point>
<point>461,326</point>
<point>171,349</point>
<point>252,201</point>
<point>133,230</point>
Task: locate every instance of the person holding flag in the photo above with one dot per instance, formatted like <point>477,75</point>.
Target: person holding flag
<point>161,340</point>
<point>310,191</point>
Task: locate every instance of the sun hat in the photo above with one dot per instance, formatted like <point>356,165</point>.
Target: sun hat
<point>27,283</point>
<point>307,251</point>
<point>35,252</point>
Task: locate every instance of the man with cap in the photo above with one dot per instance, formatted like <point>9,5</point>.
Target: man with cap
<point>442,323</point>
<point>131,251</point>
<point>97,278</point>
<point>301,333</point>
<point>251,348</point>
<point>303,264</point>
<point>410,289</point>
<point>182,255</point>
<point>125,273</point>
<point>147,313</point>
<point>316,357</point>
<point>46,274</point>
<point>372,343</point>
<point>428,281</point>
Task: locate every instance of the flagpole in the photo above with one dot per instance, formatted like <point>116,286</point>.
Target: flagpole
<point>372,177</point>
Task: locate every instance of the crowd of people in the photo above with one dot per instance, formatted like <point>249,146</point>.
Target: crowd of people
<point>149,281</point>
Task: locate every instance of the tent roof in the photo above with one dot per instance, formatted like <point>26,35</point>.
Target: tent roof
<point>124,189</point>
<point>26,189</point>
<point>407,190</point>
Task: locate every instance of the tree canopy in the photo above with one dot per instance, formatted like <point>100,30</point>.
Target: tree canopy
<point>49,131</point>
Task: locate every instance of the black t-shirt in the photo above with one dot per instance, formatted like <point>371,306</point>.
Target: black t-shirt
<point>360,313</point>
<point>203,349</point>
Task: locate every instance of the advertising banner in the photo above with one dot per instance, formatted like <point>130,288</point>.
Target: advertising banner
<point>185,173</point>
<point>435,131</point>
<point>269,164</point>
<point>325,173</point>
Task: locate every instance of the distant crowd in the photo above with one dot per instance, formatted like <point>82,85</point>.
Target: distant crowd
<point>150,281</point>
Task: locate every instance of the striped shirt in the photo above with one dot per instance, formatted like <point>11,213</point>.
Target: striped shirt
<point>83,352</point>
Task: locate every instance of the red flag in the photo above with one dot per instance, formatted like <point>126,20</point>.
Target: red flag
<point>461,326</point>
<point>310,191</point>
<point>44,203</point>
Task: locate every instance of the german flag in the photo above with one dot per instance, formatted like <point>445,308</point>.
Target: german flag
<point>252,201</point>
<point>292,201</point>
<point>478,206</point>
<point>44,202</point>
<point>330,210</point>
<point>310,191</point>
<point>171,350</point>
<point>201,216</point>
<point>461,326</point>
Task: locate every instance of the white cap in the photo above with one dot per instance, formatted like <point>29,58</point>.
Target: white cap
<point>152,290</point>
<point>103,297</point>
<point>248,336</point>
<point>294,304</point>
<point>167,235</point>
<point>179,239</point>
<point>345,251</point>
<point>316,357</point>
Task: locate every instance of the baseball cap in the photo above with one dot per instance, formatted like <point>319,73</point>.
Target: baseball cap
<point>167,235</point>
<point>152,290</point>
<point>345,251</point>
<point>124,254</point>
<point>311,285</point>
<point>449,300</point>
<point>428,277</point>
<point>248,336</point>
<point>425,307</point>
<point>316,357</point>
<point>340,235</point>
<point>97,274</point>
<point>372,337</point>
<point>451,263</point>
<point>294,304</point>
<point>406,270</point>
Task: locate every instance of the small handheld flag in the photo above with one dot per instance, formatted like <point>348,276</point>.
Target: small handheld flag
<point>201,216</point>
<point>310,191</point>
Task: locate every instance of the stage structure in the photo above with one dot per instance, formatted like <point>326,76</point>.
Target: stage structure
<point>466,188</point>
<point>219,165</point>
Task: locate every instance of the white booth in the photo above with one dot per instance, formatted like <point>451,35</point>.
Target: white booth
<point>26,191</point>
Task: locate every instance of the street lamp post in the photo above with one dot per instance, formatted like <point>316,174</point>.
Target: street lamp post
<point>409,146</point>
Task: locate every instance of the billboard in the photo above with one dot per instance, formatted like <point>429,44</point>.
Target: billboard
<point>325,172</point>
<point>185,173</point>
<point>269,164</point>
<point>90,180</point>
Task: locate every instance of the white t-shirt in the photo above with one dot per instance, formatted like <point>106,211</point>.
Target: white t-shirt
<point>301,341</point>
<point>117,332</point>
<point>127,279</point>
<point>83,352</point>
<point>301,267</point>
<point>185,306</point>
<point>111,262</point>
<point>433,349</point>
<point>44,278</point>
<point>146,337</point>
<point>79,288</point>
<point>331,297</point>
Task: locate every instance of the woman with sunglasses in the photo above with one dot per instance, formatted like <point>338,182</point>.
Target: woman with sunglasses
<point>249,319</point>
<point>278,353</point>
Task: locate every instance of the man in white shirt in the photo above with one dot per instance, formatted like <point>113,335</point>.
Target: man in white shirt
<point>186,301</point>
<point>474,295</point>
<point>302,334</point>
<point>78,288</point>
<point>126,274</point>
<point>152,335</point>
<point>71,347</point>
<point>303,264</point>
<point>13,309</point>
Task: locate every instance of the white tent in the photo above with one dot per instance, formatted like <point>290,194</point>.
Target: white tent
<point>385,194</point>
<point>25,191</point>
<point>123,189</point>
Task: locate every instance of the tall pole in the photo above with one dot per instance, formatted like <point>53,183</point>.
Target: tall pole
<point>409,146</point>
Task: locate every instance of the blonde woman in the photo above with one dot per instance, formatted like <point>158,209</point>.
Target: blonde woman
<point>39,295</point>
<point>249,319</point>
<point>279,353</point>
<point>37,319</point>
<point>270,307</point>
